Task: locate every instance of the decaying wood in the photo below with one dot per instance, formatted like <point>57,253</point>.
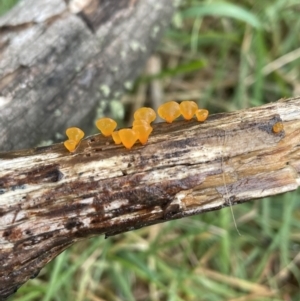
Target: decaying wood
<point>59,60</point>
<point>50,198</point>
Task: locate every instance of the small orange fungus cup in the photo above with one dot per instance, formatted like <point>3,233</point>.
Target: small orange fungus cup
<point>143,131</point>
<point>106,126</point>
<point>169,111</point>
<point>74,133</point>
<point>116,137</point>
<point>201,115</point>
<point>146,114</point>
<point>277,127</point>
<point>128,137</point>
<point>188,109</point>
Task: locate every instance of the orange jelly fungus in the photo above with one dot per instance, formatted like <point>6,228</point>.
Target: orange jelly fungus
<point>74,134</point>
<point>277,127</point>
<point>188,109</point>
<point>146,114</point>
<point>143,131</point>
<point>201,114</point>
<point>128,137</point>
<point>70,145</point>
<point>169,111</point>
<point>106,126</point>
<point>116,137</point>
<point>140,122</point>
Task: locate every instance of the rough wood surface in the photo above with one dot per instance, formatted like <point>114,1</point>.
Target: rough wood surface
<point>59,60</point>
<point>50,198</point>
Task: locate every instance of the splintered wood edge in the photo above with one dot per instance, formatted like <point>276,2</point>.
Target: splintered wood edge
<point>50,198</point>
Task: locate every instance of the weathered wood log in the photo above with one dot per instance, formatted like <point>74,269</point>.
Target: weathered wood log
<point>50,198</point>
<point>59,61</point>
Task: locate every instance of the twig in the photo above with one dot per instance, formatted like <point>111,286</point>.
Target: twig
<point>50,198</point>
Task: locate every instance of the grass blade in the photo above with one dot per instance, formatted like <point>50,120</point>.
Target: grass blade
<point>222,10</point>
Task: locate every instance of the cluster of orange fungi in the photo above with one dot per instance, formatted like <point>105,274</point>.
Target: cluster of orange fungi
<point>75,135</point>
<point>141,127</point>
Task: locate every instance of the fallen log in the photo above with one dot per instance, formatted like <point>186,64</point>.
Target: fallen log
<point>50,198</point>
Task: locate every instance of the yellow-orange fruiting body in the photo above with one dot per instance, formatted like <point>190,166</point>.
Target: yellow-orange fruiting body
<point>140,122</point>
<point>106,126</point>
<point>277,127</point>
<point>71,145</point>
<point>201,114</point>
<point>146,114</point>
<point>143,131</point>
<point>169,111</point>
<point>188,109</point>
<point>75,134</point>
<point>116,137</point>
<point>128,137</point>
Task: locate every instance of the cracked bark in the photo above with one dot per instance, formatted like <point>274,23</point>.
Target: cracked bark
<point>50,198</point>
<point>58,61</point>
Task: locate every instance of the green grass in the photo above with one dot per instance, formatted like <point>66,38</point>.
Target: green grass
<point>5,5</point>
<point>226,55</point>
